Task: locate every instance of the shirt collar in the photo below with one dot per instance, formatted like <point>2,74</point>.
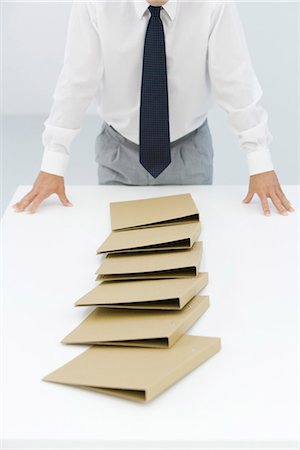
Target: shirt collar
<point>142,5</point>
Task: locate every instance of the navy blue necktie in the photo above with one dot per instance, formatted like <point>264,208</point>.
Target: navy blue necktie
<point>155,153</point>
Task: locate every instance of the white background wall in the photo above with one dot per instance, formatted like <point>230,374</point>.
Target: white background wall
<point>33,39</point>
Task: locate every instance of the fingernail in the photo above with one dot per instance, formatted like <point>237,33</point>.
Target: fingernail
<point>70,204</point>
<point>291,209</point>
<point>284,213</point>
<point>268,213</point>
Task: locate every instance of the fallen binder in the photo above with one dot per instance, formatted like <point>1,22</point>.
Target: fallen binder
<point>158,329</point>
<point>145,294</point>
<point>155,211</point>
<point>135,373</point>
<point>177,237</point>
<point>171,264</point>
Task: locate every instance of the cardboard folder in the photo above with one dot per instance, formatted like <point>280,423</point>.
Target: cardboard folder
<point>150,212</point>
<point>145,294</point>
<point>160,329</point>
<point>135,373</point>
<point>177,237</point>
<point>171,264</point>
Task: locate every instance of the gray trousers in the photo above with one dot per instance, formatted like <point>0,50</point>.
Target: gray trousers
<point>118,159</point>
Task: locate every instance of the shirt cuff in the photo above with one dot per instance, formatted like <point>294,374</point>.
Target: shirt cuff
<point>54,162</point>
<point>259,161</point>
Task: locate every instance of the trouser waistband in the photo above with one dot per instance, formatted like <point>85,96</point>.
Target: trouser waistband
<point>114,133</point>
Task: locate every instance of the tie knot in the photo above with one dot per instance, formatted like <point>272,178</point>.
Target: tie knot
<point>155,10</point>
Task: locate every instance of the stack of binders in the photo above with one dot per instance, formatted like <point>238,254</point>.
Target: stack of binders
<point>146,301</point>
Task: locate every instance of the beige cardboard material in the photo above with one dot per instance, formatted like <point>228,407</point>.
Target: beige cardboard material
<point>155,211</point>
<point>176,237</point>
<point>162,294</point>
<point>172,264</point>
<point>158,329</point>
<point>135,373</point>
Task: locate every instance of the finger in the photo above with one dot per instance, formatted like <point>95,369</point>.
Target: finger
<point>286,203</point>
<point>63,198</point>
<point>248,197</point>
<point>26,197</point>
<point>265,205</point>
<point>36,203</point>
<point>25,201</point>
<point>277,203</point>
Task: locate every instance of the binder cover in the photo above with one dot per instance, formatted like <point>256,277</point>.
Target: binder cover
<point>160,329</point>
<point>177,237</point>
<point>155,211</point>
<point>135,373</point>
<point>163,294</point>
<point>171,264</point>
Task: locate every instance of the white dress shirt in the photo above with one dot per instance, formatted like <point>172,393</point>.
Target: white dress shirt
<point>207,61</point>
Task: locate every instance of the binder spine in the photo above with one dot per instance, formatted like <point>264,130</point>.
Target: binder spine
<point>182,370</point>
<point>192,317</point>
<point>196,234</point>
<point>194,289</point>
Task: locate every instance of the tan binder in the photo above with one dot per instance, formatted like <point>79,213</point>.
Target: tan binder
<point>163,294</point>
<point>154,211</point>
<point>177,237</point>
<point>171,264</point>
<point>159,329</point>
<point>135,373</point>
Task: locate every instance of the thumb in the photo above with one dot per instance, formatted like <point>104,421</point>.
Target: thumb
<point>248,197</point>
<point>63,198</point>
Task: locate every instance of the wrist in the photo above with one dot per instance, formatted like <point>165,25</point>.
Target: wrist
<point>255,175</point>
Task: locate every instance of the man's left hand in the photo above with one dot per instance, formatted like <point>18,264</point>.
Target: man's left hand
<point>266,185</point>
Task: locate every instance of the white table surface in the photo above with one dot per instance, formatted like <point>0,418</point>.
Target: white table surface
<point>243,397</point>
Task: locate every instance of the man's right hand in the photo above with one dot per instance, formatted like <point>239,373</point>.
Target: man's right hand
<point>44,185</point>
